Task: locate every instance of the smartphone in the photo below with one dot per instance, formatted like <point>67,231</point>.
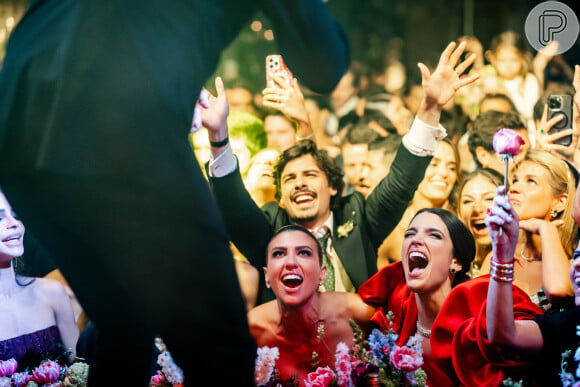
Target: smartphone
<point>275,67</point>
<point>561,104</point>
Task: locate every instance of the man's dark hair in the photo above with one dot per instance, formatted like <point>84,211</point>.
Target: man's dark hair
<point>326,164</point>
<point>461,238</point>
<point>388,145</point>
<point>486,125</point>
<point>359,133</point>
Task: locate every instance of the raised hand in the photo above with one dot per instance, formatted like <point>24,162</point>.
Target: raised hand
<point>214,111</point>
<point>501,216</point>
<point>440,86</point>
<point>286,98</point>
<point>545,140</point>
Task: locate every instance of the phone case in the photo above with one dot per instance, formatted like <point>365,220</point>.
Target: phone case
<point>561,104</point>
<point>275,67</point>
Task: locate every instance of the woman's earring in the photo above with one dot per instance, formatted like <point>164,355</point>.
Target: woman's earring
<point>554,214</point>
<point>452,270</point>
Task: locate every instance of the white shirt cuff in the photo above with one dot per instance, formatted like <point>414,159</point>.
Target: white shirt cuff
<point>224,164</point>
<point>423,139</point>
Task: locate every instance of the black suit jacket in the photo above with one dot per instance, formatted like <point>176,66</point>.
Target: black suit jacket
<point>251,228</point>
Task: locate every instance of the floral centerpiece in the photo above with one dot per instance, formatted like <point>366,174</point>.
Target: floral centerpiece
<point>377,359</point>
<point>49,374</point>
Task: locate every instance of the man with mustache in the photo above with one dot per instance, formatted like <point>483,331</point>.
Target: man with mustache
<point>309,183</point>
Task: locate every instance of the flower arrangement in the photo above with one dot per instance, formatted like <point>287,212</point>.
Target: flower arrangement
<point>378,359</point>
<point>567,378</point>
<point>49,374</point>
<point>170,374</point>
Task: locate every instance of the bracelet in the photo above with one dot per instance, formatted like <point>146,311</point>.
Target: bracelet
<point>219,144</point>
<point>298,138</point>
<point>501,272</point>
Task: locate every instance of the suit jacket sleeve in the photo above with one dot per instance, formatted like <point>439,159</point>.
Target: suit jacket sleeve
<point>247,225</point>
<point>312,43</point>
<point>389,200</point>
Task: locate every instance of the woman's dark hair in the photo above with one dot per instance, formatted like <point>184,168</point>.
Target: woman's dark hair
<point>461,238</point>
<point>326,164</point>
<point>295,227</point>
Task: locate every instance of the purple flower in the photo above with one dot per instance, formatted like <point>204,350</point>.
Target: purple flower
<point>21,379</point>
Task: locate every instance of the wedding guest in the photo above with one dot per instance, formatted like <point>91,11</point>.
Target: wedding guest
<point>380,156</point>
<point>428,293</point>
<point>474,196</point>
<point>309,184</point>
<point>353,153</point>
<point>302,321</point>
<point>436,254</point>
<point>480,140</point>
<point>542,193</point>
<point>97,101</point>
<point>36,317</point>
<point>542,340</point>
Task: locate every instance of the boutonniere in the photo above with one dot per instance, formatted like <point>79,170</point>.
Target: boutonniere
<point>345,228</point>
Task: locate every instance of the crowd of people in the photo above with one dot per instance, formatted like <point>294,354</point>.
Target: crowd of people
<point>386,208</point>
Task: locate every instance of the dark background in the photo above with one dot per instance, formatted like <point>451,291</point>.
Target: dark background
<point>379,31</point>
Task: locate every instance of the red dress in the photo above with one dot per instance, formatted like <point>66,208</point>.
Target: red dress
<point>461,353</point>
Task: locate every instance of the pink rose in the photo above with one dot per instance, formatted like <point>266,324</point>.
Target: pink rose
<point>322,377</point>
<point>406,359</point>
<point>507,142</point>
<point>8,367</point>
<point>47,372</point>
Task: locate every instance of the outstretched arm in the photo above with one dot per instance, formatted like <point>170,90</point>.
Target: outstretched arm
<point>502,328</point>
<point>388,201</point>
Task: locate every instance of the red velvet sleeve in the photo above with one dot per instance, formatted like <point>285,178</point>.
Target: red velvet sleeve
<point>386,290</point>
<point>459,338</point>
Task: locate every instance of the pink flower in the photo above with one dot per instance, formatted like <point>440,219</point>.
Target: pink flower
<point>21,379</point>
<point>507,142</point>
<point>322,377</point>
<point>158,378</point>
<point>47,372</point>
<point>8,367</point>
<point>343,365</point>
<point>406,359</point>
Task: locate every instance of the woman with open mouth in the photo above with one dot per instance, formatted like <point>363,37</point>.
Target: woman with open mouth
<point>302,320</point>
<point>475,195</point>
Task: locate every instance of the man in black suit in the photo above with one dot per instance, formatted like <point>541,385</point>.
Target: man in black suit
<point>96,104</point>
<point>309,186</point>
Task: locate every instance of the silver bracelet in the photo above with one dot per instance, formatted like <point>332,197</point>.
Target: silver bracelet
<point>298,138</point>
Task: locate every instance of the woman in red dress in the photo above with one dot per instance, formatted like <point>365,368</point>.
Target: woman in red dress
<point>436,254</point>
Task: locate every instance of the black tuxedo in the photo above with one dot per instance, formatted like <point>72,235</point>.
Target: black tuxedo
<point>96,102</point>
<point>251,228</point>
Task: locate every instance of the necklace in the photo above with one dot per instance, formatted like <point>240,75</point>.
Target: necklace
<point>425,332</point>
<point>528,258</point>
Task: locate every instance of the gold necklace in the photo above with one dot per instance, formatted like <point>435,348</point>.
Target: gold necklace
<point>425,332</point>
<point>528,258</point>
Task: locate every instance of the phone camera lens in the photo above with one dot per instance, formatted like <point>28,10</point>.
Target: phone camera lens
<point>555,103</point>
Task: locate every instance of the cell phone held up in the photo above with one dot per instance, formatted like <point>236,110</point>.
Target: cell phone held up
<point>561,105</point>
<point>275,67</point>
